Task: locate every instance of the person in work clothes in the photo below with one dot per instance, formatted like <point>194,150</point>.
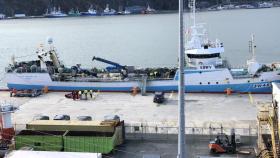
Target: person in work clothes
<point>90,93</point>
<point>73,95</point>
<point>86,93</point>
<point>80,94</point>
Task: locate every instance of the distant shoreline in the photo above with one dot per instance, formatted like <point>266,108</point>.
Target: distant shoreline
<point>157,12</point>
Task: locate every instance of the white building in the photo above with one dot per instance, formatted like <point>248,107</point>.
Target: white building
<point>2,16</point>
<point>20,16</point>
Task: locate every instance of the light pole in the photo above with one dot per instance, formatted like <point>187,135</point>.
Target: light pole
<point>181,87</point>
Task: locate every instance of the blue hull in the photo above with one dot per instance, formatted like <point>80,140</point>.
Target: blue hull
<point>56,16</point>
<point>88,14</point>
<point>261,87</point>
<point>108,14</point>
<point>236,88</point>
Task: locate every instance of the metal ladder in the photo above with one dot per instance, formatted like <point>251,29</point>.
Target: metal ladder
<point>273,121</point>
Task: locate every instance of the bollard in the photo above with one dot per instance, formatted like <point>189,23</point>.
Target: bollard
<point>46,89</point>
<point>228,91</point>
<point>134,91</point>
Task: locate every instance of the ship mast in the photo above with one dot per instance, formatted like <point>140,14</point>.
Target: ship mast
<point>181,87</point>
<point>253,47</point>
<point>192,7</point>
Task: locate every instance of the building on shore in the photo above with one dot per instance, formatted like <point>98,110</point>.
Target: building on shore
<point>19,16</point>
<point>2,16</point>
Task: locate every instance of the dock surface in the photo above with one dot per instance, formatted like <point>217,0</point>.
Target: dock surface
<point>202,110</point>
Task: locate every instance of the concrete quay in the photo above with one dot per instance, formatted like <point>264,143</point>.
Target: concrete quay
<point>202,110</point>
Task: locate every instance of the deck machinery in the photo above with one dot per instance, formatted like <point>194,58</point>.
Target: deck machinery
<point>268,127</point>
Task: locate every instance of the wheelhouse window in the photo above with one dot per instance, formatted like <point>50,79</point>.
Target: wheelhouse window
<point>203,56</point>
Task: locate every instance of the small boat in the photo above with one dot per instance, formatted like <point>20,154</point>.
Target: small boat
<point>90,12</point>
<point>265,5</point>
<point>107,11</point>
<point>247,6</point>
<point>74,13</point>
<point>150,10</point>
<point>55,13</point>
<point>126,12</point>
<point>135,10</point>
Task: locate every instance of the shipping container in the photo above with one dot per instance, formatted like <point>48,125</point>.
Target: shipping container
<point>85,141</point>
<point>40,140</point>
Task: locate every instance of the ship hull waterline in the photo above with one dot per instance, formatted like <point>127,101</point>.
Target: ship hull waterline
<point>235,88</point>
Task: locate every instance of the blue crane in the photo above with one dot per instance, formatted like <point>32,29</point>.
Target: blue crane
<point>122,69</point>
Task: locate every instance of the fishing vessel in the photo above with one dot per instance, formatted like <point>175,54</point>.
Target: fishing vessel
<point>90,12</point>
<point>107,11</point>
<point>126,12</point>
<point>265,5</point>
<point>74,13</point>
<point>150,10</point>
<point>205,71</point>
<point>55,13</point>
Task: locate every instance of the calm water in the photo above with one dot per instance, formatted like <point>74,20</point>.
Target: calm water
<point>140,40</point>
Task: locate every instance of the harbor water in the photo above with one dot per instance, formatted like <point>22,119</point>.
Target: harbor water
<point>139,40</point>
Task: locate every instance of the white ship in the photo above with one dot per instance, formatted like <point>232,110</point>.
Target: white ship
<point>55,13</point>
<point>91,12</point>
<point>107,11</point>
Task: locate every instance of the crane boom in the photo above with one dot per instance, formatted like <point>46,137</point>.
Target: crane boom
<point>117,65</point>
<point>122,69</point>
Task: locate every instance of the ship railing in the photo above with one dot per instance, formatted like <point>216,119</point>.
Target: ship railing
<point>272,67</point>
<point>166,132</point>
<point>242,77</point>
<point>238,67</point>
<point>28,70</point>
<point>93,79</point>
<point>156,78</point>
